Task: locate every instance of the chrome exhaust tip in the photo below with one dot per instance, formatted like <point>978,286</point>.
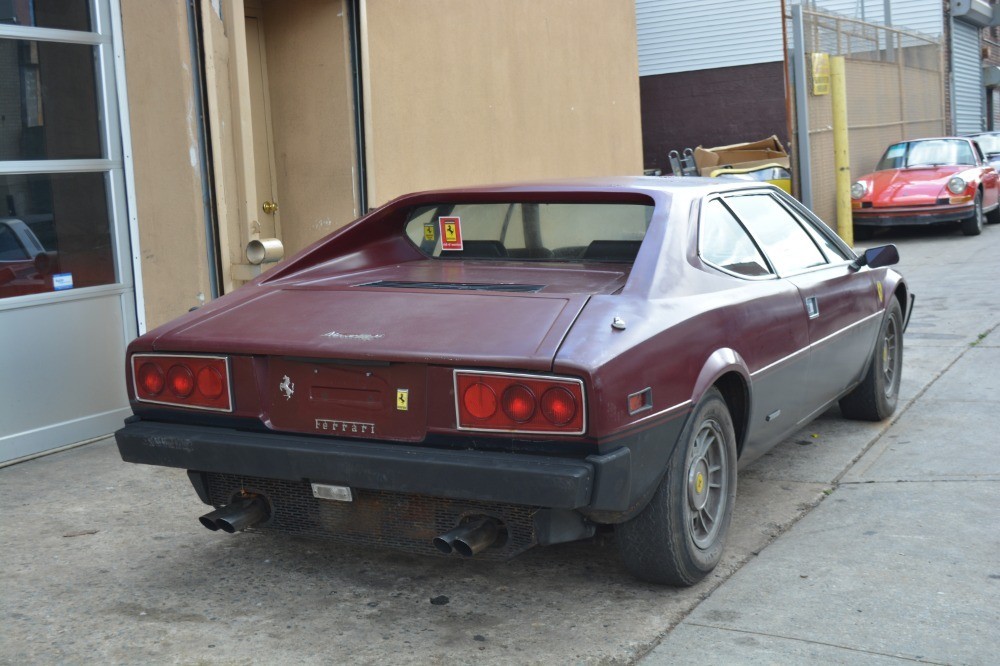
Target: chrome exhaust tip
<point>237,515</point>
<point>471,537</point>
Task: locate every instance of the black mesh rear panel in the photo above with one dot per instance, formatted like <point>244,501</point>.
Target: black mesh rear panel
<point>375,518</point>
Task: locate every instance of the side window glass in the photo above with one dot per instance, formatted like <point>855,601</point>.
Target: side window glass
<point>783,240</point>
<point>834,251</point>
<point>724,243</point>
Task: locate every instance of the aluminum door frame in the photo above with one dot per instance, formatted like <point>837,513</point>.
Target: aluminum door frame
<point>61,374</point>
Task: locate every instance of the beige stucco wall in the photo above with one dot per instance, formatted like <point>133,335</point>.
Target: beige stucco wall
<point>165,157</point>
<point>457,92</point>
<point>461,92</point>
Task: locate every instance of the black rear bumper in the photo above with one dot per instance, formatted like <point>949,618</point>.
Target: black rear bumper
<point>595,483</point>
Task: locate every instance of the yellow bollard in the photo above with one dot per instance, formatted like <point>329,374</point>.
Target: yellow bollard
<point>841,151</point>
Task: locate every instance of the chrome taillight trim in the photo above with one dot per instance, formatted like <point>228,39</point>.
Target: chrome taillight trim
<point>522,375</point>
<point>228,378</point>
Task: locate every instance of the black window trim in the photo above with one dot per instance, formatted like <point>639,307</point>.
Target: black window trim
<point>720,197</point>
<point>768,191</point>
<point>816,226</point>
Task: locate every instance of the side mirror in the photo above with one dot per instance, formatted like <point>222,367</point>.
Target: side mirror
<point>876,257</point>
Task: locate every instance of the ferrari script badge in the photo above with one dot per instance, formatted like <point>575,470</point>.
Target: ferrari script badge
<point>287,387</point>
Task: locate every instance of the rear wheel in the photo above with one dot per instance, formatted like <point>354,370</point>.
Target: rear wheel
<point>875,397</point>
<point>679,536</point>
<point>973,226</point>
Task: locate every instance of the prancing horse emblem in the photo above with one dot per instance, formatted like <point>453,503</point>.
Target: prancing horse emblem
<point>287,387</point>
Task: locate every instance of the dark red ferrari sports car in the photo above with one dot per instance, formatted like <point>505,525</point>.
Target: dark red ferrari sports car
<point>480,371</point>
<point>928,181</point>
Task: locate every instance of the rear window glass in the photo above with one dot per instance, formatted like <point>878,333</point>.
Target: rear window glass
<point>530,231</point>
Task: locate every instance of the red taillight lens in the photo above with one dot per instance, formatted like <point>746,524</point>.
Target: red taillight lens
<point>198,382</point>
<point>210,382</point>
<point>558,405</point>
<point>480,400</point>
<point>518,403</point>
<point>181,380</point>
<point>509,402</point>
<point>150,378</point>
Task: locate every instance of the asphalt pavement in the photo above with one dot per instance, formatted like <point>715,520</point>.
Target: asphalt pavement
<point>851,543</point>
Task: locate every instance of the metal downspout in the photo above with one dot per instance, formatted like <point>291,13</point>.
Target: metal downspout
<point>354,33</point>
<point>804,155</point>
<point>204,148</point>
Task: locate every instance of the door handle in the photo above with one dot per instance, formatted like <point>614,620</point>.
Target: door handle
<point>270,207</point>
<point>812,307</point>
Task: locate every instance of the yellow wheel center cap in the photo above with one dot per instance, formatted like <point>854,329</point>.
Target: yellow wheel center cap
<point>699,483</point>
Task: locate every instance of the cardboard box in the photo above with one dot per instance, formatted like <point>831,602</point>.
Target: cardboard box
<point>743,155</point>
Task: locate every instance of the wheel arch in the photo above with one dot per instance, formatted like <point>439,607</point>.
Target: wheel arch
<point>901,292</point>
<point>726,371</point>
<point>736,393</point>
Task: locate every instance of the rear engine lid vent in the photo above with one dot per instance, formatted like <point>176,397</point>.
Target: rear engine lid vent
<point>461,286</point>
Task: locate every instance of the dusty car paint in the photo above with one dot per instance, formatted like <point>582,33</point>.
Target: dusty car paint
<point>319,358</point>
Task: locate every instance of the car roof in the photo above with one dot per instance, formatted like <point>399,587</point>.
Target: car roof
<point>691,186</point>
<point>932,138</point>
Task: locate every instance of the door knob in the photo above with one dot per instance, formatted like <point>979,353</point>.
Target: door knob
<point>270,207</point>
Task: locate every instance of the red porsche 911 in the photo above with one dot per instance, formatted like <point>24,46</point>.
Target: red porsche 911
<point>480,371</point>
<point>928,181</point>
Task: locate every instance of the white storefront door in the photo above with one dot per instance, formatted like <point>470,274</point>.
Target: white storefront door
<point>67,290</point>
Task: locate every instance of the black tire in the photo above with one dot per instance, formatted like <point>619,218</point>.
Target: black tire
<point>993,217</point>
<point>863,233</point>
<point>671,540</point>
<point>973,226</point>
<point>874,399</point>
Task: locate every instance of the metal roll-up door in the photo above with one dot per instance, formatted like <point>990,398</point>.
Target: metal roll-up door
<point>967,78</point>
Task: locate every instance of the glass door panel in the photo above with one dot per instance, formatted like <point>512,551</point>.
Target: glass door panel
<point>48,101</point>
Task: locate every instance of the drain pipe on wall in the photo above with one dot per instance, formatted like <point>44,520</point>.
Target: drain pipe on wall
<point>841,148</point>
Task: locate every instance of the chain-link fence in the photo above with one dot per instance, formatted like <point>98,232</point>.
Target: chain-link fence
<point>895,91</point>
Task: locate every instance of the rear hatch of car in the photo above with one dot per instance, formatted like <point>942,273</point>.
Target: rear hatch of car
<point>370,356</point>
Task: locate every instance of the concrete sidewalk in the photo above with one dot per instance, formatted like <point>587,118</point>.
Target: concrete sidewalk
<point>900,563</point>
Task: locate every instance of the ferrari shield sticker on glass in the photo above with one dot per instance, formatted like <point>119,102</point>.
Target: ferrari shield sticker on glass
<point>429,232</point>
<point>451,233</point>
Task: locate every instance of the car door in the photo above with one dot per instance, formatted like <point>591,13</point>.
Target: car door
<point>772,338</point>
<point>840,303</point>
<point>845,305</point>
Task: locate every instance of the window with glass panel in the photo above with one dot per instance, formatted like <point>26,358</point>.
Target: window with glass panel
<point>787,245</point>
<point>54,174</point>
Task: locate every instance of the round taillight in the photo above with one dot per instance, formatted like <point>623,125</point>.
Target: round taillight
<point>558,406</point>
<point>150,378</point>
<point>181,380</point>
<point>210,382</point>
<point>518,403</point>
<point>480,401</point>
